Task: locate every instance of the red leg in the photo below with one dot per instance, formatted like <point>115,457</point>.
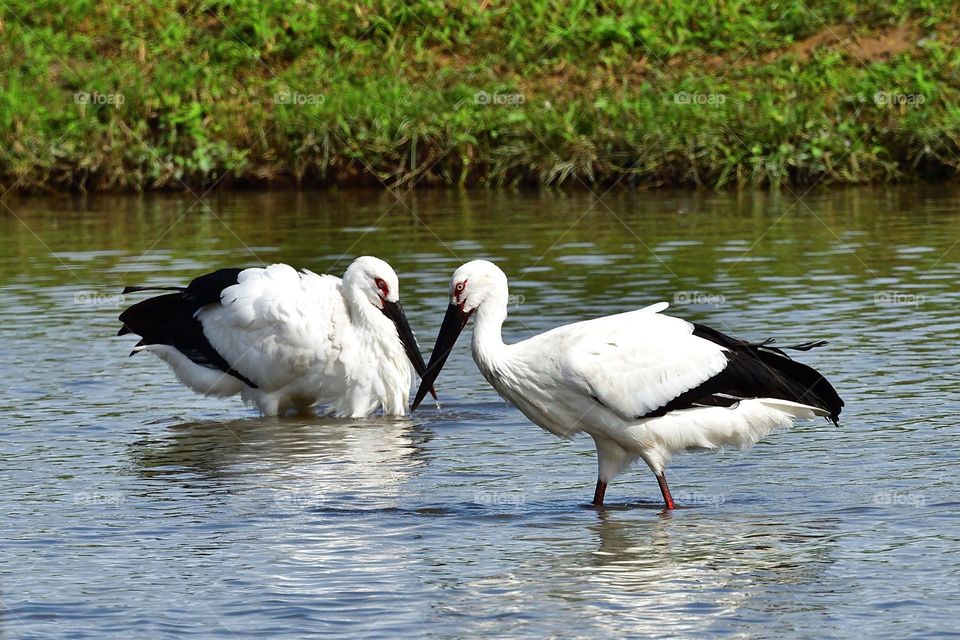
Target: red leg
<point>598,494</point>
<point>665,490</point>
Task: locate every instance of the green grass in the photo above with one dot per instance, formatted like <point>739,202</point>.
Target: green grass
<point>688,92</point>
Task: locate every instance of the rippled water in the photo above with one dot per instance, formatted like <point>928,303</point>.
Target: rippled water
<point>134,508</point>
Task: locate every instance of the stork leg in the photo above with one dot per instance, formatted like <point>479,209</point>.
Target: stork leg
<point>598,493</point>
<point>664,489</point>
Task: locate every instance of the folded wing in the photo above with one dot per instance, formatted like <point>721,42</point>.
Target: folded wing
<point>643,365</point>
<point>276,324</point>
<point>634,363</point>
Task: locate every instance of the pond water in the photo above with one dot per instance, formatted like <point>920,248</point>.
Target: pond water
<point>133,508</point>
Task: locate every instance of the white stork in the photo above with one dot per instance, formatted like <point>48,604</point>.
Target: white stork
<point>286,340</point>
<point>641,384</point>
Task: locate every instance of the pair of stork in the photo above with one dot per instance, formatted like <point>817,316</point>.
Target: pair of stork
<point>642,384</point>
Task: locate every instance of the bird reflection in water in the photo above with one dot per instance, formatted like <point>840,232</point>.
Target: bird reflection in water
<point>666,567</point>
<point>303,461</point>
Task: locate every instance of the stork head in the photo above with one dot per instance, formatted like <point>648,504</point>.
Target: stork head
<point>371,280</point>
<point>374,279</point>
<point>474,284</point>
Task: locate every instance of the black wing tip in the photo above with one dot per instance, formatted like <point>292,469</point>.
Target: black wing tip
<point>139,288</point>
<point>807,346</point>
<point>765,370</point>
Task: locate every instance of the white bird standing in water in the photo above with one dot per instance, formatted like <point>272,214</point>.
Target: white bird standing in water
<point>286,340</point>
<point>641,384</point>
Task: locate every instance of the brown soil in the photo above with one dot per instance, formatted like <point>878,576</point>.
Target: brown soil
<point>865,47</point>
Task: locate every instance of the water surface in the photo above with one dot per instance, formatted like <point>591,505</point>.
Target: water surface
<point>133,508</point>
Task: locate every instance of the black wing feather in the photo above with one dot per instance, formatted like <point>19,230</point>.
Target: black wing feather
<point>757,370</point>
<point>170,319</point>
<point>206,289</point>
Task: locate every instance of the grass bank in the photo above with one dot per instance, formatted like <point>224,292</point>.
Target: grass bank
<point>143,94</point>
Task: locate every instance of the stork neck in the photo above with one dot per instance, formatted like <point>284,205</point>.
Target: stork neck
<point>487,338</point>
<point>362,312</point>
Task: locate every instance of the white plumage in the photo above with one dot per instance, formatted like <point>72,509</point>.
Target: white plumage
<point>641,384</point>
<point>286,340</point>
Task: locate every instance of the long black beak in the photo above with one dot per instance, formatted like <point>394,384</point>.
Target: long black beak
<point>453,323</point>
<point>394,311</point>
